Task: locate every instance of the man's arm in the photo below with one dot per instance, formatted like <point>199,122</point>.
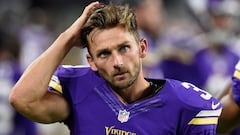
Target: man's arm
<point>230,116</point>
<point>30,96</point>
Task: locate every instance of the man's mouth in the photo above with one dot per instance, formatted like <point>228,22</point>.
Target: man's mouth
<point>120,74</point>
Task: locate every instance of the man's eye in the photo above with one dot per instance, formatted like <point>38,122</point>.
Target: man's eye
<point>124,49</point>
<point>103,54</point>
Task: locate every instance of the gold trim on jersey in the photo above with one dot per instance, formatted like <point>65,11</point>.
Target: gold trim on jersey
<point>237,74</point>
<point>203,121</point>
<point>56,86</point>
<point>206,117</point>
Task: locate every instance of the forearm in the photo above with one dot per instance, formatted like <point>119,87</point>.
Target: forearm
<point>230,115</point>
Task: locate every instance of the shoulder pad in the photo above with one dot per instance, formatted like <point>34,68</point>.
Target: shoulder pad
<point>71,71</point>
<point>195,98</point>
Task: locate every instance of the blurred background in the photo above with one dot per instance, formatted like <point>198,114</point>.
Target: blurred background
<point>196,41</point>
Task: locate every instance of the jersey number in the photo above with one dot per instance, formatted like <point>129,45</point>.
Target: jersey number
<point>204,94</point>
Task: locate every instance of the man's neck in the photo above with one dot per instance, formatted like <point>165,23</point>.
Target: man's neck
<point>134,92</point>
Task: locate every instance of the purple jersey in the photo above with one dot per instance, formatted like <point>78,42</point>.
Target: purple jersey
<point>179,108</point>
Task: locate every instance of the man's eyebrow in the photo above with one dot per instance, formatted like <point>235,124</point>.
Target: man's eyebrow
<point>117,46</point>
<point>103,50</point>
<point>123,43</point>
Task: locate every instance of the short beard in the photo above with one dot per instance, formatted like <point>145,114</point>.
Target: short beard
<point>129,83</point>
<point>121,88</point>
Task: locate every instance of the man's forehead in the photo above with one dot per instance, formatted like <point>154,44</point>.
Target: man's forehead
<point>111,36</point>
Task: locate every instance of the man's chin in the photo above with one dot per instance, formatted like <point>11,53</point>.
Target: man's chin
<point>120,85</point>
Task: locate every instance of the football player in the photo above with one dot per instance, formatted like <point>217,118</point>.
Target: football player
<point>111,96</point>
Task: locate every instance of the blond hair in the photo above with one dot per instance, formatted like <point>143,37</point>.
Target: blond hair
<point>109,16</point>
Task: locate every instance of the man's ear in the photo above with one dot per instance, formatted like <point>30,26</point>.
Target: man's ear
<point>91,62</point>
<point>143,48</point>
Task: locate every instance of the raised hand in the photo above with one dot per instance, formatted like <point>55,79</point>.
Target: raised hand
<point>75,29</point>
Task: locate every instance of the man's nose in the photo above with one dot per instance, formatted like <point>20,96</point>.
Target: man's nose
<point>117,60</point>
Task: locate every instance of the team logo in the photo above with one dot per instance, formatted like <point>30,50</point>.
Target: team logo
<point>123,116</point>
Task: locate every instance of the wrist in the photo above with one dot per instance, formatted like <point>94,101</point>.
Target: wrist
<point>72,38</point>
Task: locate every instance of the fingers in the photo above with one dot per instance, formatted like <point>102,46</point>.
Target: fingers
<point>88,8</point>
<point>87,11</point>
<point>83,18</point>
<point>75,29</point>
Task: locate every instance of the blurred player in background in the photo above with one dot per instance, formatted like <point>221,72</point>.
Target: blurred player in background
<point>215,63</point>
<point>11,122</point>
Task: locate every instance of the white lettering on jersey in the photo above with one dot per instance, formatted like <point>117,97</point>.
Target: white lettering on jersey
<point>205,95</point>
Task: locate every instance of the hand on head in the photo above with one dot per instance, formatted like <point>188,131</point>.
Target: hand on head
<point>75,29</point>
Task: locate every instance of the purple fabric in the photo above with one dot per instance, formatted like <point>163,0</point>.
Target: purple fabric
<point>95,109</point>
